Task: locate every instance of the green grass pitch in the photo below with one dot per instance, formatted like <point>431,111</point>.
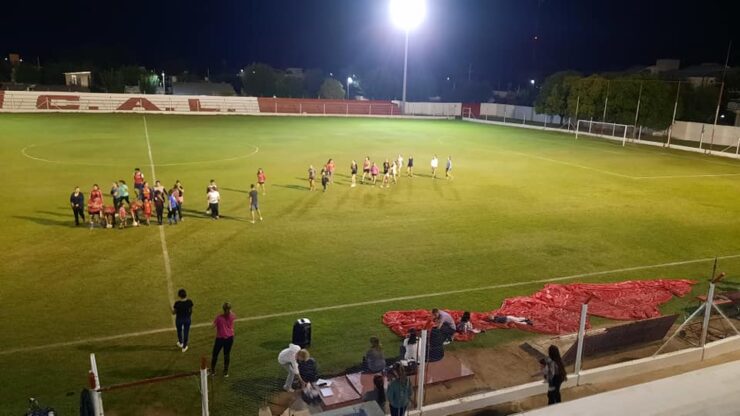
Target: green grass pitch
<point>525,205</point>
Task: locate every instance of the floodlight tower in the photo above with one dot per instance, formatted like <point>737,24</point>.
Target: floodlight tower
<point>407,15</point>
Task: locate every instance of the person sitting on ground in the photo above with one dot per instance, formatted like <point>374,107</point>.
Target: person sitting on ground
<point>374,361</point>
<point>505,319</point>
<point>410,347</point>
<point>377,394</point>
<point>465,326</point>
<point>445,323</point>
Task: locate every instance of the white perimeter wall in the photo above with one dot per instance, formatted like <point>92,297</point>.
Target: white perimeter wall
<point>43,101</point>
<point>724,135</point>
<point>516,112</point>
<point>433,109</point>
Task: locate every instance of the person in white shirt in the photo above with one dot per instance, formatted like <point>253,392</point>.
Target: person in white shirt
<point>435,165</point>
<point>411,346</point>
<point>213,199</point>
<point>287,358</point>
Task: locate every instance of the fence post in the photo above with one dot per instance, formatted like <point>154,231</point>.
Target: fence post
<point>504,113</point>
<point>737,149</point>
<point>701,138</point>
<point>421,372</point>
<point>370,110</point>
<point>204,386</point>
<point>707,314</point>
<point>300,108</point>
<point>324,104</point>
<point>639,134</point>
<point>275,101</point>
<point>590,124</point>
<point>95,386</point>
<point>346,109</point>
<point>581,335</point>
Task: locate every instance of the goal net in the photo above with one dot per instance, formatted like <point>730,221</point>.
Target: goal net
<point>611,131</point>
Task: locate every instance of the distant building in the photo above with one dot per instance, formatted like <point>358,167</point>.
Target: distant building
<point>14,58</point>
<point>78,80</point>
<point>664,65</point>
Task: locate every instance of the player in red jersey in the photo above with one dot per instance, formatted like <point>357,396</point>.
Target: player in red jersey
<point>139,182</point>
<point>261,178</point>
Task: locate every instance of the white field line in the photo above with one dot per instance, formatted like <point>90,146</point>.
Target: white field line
<point>165,253</point>
<point>606,172</point>
<point>357,304</point>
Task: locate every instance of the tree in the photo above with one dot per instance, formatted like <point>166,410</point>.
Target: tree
<point>588,95</point>
<point>5,70</point>
<point>27,74</point>
<point>381,84</point>
<point>331,89</point>
<point>289,86</point>
<point>109,80</point>
<point>555,92</point>
<point>258,80</point>
<point>131,74</point>
<point>148,83</point>
<point>312,80</point>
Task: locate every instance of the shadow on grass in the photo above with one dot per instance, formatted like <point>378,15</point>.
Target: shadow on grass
<point>70,223</point>
<point>241,191</point>
<point>61,212</point>
<point>294,187</point>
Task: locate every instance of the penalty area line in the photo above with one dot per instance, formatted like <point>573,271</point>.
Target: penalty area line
<point>358,304</point>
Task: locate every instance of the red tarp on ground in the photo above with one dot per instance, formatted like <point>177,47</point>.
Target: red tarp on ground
<point>556,308</point>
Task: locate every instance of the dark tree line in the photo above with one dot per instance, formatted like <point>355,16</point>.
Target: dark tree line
<point>564,93</point>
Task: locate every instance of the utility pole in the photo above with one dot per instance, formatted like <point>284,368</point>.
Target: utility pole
<point>721,90</point>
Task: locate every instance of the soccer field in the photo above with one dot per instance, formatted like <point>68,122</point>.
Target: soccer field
<point>524,206</point>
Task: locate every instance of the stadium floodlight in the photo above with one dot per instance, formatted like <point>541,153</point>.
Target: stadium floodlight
<point>349,84</point>
<point>407,15</point>
<point>531,81</point>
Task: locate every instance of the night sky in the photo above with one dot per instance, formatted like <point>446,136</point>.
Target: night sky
<point>494,38</point>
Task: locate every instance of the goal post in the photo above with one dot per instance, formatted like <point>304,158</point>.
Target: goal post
<point>97,390</point>
<point>611,131</point>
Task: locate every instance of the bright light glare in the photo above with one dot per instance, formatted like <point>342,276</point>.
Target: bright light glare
<point>408,14</point>
<point>531,81</point>
<point>349,80</point>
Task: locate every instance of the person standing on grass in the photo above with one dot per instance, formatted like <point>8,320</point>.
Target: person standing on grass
<point>123,192</point>
<point>261,178</point>
<point>374,172</point>
<point>311,178</point>
<point>410,167</point>
<point>448,168</point>
<point>148,210</point>
<point>211,185</point>
<point>146,192</point>
<point>288,359</point>
<point>353,171</point>
<point>114,194</point>
<point>180,195</point>
<point>365,169</point>
<point>158,187</point>
<point>324,178</point>
<point>183,310</point>
<point>224,324</point>
<point>399,163</point>
<point>394,172</point>
<point>159,202</point>
<point>399,391</point>
<point>330,166</point>
<point>139,182</point>
<point>554,374</point>
<point>435,165</point>
<point>95,205</point>
<point>214,197</point>
<point>172,207</point>
<point>254,205</point>
<point>77,201</point>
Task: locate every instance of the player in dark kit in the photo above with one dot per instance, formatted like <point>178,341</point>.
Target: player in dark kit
<point>254,203</point>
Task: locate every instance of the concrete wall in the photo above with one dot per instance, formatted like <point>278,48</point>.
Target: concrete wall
<point>434,109</point>
<point>516,112</point>
<point>35,101</point>
<point>724,135</point>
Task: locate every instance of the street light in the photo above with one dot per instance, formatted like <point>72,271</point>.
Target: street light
<point>531,81</point>
<point>407,15</point>
<point>349,83</point>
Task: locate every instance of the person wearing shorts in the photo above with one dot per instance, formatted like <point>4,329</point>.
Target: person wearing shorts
<point>180,195</point>
<point>353,170</point>
<point>254,203</point>
<point>324,179</point>
<point>365,169</point>
<point>139,182</point>
<point>435,165</point>
<point>374,172</point>
<point>448,168</point>
<point>330,166</point>
<point>386,173</point>
<point>410,167</point>
<point>311,178</point>
<point>261,178</point>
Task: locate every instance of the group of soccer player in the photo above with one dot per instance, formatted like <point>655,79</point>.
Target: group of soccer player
<point>371,172</point>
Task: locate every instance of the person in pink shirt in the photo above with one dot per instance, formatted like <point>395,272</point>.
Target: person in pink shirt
<point>224,324</point>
